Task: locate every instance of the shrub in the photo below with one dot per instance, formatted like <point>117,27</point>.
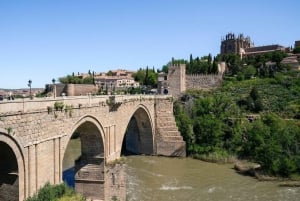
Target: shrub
<point>59,106</point>
<point>56,193</point>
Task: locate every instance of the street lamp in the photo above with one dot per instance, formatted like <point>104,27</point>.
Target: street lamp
<point>54,88</point>
<point>29,84</point>
<point>111,88</point>
<point>94,77</point>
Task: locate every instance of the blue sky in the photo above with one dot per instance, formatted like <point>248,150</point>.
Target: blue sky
<point>45,39</point>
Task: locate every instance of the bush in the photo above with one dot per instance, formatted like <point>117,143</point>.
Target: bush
<point>56,193</point>
<point>59,106</point>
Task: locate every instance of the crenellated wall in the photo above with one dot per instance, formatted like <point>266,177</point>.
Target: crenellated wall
<point>176,81</point>
<point>200,81</point>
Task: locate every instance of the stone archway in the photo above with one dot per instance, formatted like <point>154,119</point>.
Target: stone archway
<point>89,164</point>
<point>12,176</point>
<point>138,138</point>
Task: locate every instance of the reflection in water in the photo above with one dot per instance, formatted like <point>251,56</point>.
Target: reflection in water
<point>68,177</point>
<point>72,153</point>
<point>163,179</point>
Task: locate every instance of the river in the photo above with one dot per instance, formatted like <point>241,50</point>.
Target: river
<point>152,178</point>
<point>175,179</point>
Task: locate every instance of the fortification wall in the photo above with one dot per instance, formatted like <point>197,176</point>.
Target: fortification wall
<point>81,89</point>
<point>74,89</point>
<point>176,80</point>
<point>201,81</point>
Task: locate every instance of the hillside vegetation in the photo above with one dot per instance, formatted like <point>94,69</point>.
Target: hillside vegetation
<point>253,117</point>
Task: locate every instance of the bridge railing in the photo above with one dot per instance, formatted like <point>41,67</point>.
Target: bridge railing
<point>41,104</point>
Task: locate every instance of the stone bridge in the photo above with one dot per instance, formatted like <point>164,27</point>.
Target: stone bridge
<point>35,134</point>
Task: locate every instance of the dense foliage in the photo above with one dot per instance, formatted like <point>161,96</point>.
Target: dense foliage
<point>59,192</point>
<point>255,119</point>
<point>203,65</point>
<point>146,77</point>
<point>77,79</point>
<point>261,65</point>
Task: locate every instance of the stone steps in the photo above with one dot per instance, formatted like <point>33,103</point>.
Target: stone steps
<point>167,119</point>
<point>169,140</point>
<point>168,129</point>
<point>169,133</point>
<point>172,139</point>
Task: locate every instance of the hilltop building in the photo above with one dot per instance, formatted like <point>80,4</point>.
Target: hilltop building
<point>243,46</point>
<point>235,45</point>
<point>118,79</point>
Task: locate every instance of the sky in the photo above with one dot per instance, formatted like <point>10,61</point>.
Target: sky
<point>45,39</point>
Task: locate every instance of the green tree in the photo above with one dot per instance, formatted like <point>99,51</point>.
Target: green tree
<point>296,50</point>
<point>249,71</point>
<point>109,73</point>
<point>185,126</point>
<point>88,80</point>
<point>214,69</point>
<point>146,79</point>
<point>165,68</point>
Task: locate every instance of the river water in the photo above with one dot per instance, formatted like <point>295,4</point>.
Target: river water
<point>152,178</point>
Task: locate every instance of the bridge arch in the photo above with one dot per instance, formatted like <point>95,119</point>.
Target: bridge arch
<point>139,135</point>
<point>12,170</point>
<point>87,171</point>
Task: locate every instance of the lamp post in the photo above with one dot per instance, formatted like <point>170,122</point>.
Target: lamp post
<point>94,78</point>
<point>110,88</point>
<point>54,88</point>
<point>29,84</point>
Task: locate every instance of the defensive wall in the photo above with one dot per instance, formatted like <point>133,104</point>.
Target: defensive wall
<point>176,81</point>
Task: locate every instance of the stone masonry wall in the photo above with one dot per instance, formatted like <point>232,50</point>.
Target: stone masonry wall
<point>203,81</point>
<point>176,80</point>
<point>115,182</point>
<point>75,89</point>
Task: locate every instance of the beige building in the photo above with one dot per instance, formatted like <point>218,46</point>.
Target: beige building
<point>243,46</point>
<point>117,79</point>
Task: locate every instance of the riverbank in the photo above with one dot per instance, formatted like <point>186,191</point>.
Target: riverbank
<point>248,168</point>
<point>254,170</point>
<point>215,158</point>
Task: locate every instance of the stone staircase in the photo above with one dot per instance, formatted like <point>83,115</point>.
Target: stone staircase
<point>169,141</point>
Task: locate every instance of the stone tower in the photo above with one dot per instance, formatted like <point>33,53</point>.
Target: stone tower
<point>176,77</point>
<point>235,45</point>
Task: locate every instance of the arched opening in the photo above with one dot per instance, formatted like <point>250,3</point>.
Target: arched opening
<point>138,138</point>
<point>72,154</point>
<point>9,174</point>
<point>84,163</point>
